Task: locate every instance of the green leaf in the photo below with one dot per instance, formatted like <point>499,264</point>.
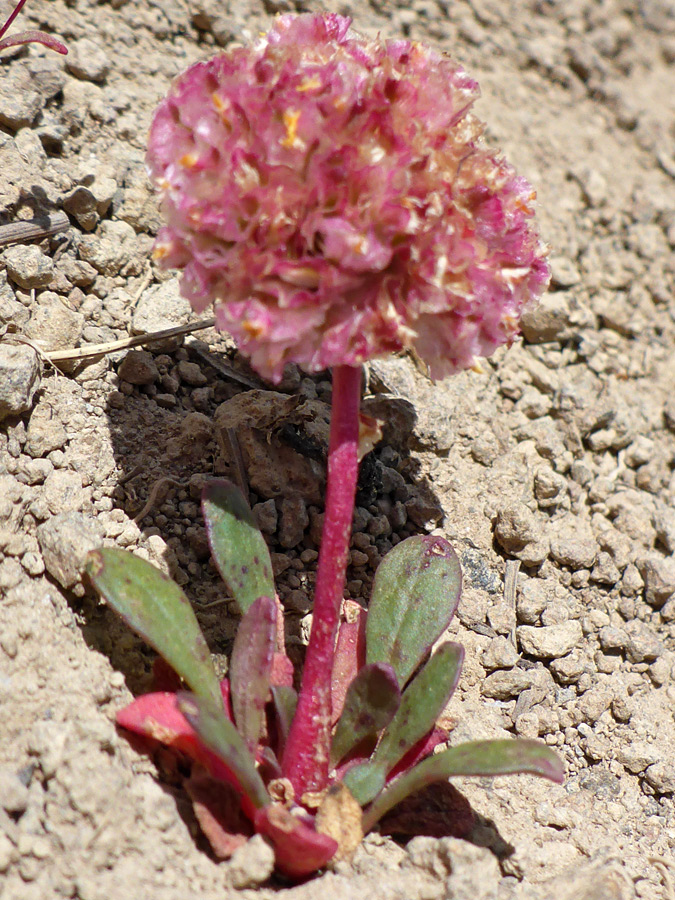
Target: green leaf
<point>239,549</point>
<point>157,609</point>
<point>365,781</point>
<point>250,667</point>
<point>220,736</point>
<point>285,702</point>
<point>421,704</point>
<point>484,758</point>
<point>370,703</point>
<point>415,594</point>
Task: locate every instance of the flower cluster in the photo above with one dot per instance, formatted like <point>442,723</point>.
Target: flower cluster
<point>332,196</point>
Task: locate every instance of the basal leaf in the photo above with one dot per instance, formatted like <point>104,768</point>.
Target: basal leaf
<point>285,701</point>
<point>421,704</point>
<point>370,703</point>
<point>415,594</point>
<point>298,848</point>
<point>223,739</point>
<point>365,781</point>
<point>250,668</point>
<point>157,609</point>
<point>483,758</point>
<point>239,549</point>
<point>350,653</point>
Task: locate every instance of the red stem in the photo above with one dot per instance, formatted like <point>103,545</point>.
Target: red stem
<point>305,760</point>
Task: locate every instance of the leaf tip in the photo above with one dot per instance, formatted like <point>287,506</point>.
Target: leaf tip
<point>94,563</point>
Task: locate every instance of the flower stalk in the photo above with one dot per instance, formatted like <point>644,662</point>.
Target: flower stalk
<point>306,758</point>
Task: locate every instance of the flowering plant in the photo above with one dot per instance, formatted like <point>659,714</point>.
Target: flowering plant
<point>332,197</point>
<point>386,692</point>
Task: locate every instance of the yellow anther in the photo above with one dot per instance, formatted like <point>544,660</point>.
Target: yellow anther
<point>222,107</point>
<point>291,119</point>
<point>310,84</point>
<point>252,329</point>
<point>161,251</point>
<point>188,160</point>
<point>524,204</point>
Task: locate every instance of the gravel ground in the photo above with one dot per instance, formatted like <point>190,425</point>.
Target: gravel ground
<point>552,471</point>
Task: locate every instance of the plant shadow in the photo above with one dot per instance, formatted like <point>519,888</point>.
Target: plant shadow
<point>202,413</point>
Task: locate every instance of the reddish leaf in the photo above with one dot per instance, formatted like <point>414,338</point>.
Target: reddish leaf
<point>218,810</point>
<point>219,735</point>
<point>350,653</point>
<point>156,716</point>
<point>370,704</point>
<point>282,671</point>
<point>250,667</point>
<point>299,849</point>
<point>420,751</point>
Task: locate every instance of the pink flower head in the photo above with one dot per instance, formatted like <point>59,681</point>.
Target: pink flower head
<point>332,196</point>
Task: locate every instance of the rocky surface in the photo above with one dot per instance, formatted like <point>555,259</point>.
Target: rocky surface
<point>552,469</point>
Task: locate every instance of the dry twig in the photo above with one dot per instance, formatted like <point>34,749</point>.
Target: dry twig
<point>123,343</point>
<point>153,499</point>
<point>34,229</point>
<point>510,579</point>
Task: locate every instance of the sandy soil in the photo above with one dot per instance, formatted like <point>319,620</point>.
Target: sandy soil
<point>552,470</point>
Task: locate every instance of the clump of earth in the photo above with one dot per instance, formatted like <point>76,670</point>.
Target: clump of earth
<point>551,472</point>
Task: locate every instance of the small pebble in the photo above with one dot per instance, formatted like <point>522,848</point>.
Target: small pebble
<point>293,521</point>
<point>550,641</point>
<point>573,544</point>
<point>28,266</point>
<point>138,367</point>
<point>642,644</point>
<point>14,794</point>
<point>531,602</point>
<point>19,378</point>
<point>506,684</point>
<point>87,60</point>
<point>357,558</point>
<point>191,374</point>
<point>659,580</point>
<point>65,539</point>
<point>499,654</point>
